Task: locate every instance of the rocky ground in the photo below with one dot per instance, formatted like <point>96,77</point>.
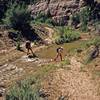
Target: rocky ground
<point>59,10</point>
<point>15,64</point>
<point>70,83</point>
<point>67,82</point>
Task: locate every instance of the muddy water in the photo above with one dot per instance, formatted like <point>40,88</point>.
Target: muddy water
<point>50,51</point>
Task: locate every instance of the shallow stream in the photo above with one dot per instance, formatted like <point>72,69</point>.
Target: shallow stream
<point>50,51</point>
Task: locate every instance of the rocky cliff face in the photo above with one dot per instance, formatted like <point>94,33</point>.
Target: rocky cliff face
<point>59,10</point>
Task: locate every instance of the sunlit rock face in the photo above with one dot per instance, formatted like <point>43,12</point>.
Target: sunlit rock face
<point>58,10</point>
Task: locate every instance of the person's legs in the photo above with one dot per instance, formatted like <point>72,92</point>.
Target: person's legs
<point>55,59</point>
<point>60,57</point>
<point>59,54</point>
<point>27,51</point>
<point>31,50</point>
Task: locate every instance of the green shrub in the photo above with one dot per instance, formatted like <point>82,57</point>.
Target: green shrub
<point>65,62</point>
<point>49,21</point>
<point>22,91</point>
<point>67,35</point>
<point>75,18</point>
<point>18,47</point>
<point>43,18</point>
<point>17,17</point>
<point>84,18</point>
<point>95,42</point>
<point>18,41</point>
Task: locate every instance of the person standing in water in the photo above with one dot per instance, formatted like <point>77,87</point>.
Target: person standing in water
<point>28,47</point>
<point>59,53</point>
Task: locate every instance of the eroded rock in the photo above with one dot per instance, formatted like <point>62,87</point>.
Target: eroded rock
<point>59,10</point>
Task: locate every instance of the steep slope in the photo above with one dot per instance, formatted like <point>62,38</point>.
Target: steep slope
<point>59,10</point>
<point>67,12</point>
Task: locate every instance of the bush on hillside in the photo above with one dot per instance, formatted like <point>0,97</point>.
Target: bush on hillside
<point>17,17</point>
<point>18,41</point>
<point>22,91</point>
<point>42,18</point>
<point>84,18</point>
<point>75,19</point>
<point>67,35</point>
<point>95,42</point>
<point>5,4</point>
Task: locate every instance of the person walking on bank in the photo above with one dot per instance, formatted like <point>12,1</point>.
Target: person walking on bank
<point>28,47</point>
<point>59,53</point>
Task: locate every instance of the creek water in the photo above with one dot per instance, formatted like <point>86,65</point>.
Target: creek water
<point>50,51</point>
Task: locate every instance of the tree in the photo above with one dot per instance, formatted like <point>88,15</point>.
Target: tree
<point>17,17</point>
<point>5,4</point>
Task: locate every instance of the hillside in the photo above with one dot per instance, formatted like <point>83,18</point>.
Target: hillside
<point>65,12</point>
<point>62,61</point>
<point>69,79</point>
<point>59,10</point>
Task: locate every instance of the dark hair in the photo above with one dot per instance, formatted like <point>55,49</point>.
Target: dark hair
<point>59,48</point>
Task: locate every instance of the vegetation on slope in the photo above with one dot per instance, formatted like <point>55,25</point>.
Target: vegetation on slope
<point>67,35</point>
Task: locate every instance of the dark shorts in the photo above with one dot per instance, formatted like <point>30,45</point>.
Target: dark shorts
<point>28,47</point>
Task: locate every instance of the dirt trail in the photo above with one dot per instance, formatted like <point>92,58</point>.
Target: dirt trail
<point>72,84</point>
